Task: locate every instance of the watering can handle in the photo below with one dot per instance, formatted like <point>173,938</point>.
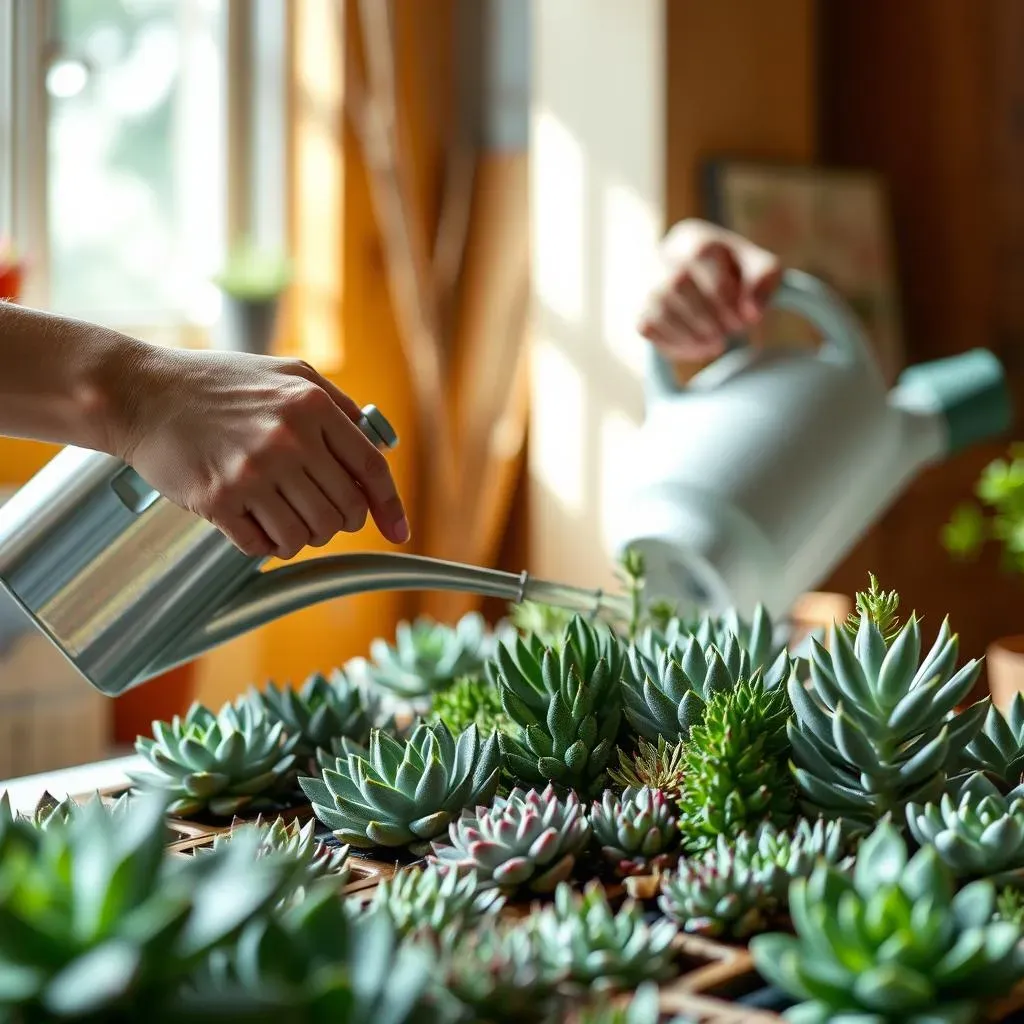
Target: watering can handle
<point>843,339</point>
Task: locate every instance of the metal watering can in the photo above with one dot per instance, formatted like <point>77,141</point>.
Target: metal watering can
<point>752,482</point>
<point>127,585</point>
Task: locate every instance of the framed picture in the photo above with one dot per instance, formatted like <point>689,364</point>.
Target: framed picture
<point>834,224</point>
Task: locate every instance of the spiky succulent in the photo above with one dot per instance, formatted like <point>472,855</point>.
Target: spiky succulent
<point>566,703</point>
<point>527,840</point>
<point>471,700</point>
<point>738,887</point>
<point>99,925</point>
<point>976,830</point>
<point>998,749</point>
<point>428,656</point>
<point>875,728</point>
<point>737,771</point>
<point>600,947</point>
<point>892,942</point>
<point>404,794</point>
<point>660,767</point>
<point>1010,906</point>
<point>638,830</point>
<point>221,764</point>
<point>666,696</point>
<point>323,709</point>
<point>431,898</point>
<point>880,606</point>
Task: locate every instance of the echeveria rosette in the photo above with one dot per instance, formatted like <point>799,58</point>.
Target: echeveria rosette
<point>892,942</point>
<point>528,840</point>
<point>224,763</point>
<point>396,794</point>
<point>638,831</point>
<point>566,702</point>
<point>998,748</point>
<point>877,728</point>
<point>977,831</point>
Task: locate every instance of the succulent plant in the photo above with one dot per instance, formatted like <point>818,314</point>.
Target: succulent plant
<point>638,830</point>
<point>976,830</point>
<point>543,621</point>
<point>892,942</point>
<point>98,924</point>
<point>234,760</point>
<point>470,700</point>
<point>323,709</point>
<point>600,947</point>
<point>428,656</point>
<point>875,729</point>
<point>404,794</point>
<point>567,704</point>
<point>496,973</point>
<point>642,1008</point>
<point>1010,905</point>
<point>998,749</point>
<point>880,606</point>
<point>666,696</point>
<point>660,767</point>
<point>527,840</point>
<point>737,773</point>
<point>432,898</point>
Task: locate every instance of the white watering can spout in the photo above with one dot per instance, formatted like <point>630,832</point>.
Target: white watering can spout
<point>754,480</point>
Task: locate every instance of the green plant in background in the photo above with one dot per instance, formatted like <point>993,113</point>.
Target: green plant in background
<point>253,274</point>
<point>876,729</point>
<point>471,700</point>
<point>98,924</point>
<point>661,767</point>
<point>599,947</point>
<point>567,704</point>
<point>638,831</point>
<point>737,772</point>
<point>323,709</point>
<point>528,840</point>
<point>1010,905</point>
<point>434,899</point>
<point>998,514</point>
<point>543,621</point>
<point>641,1008</point>
<point>404,793</point>
<point>880,606</point>
<point>998,749</point>
<point>428,656</point>
<point>631,571</point>
<point>977,831</point>
<point>224,763</point>
<point>892,942</point>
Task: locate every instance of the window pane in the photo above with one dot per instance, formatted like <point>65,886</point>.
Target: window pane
<point>136,159</point>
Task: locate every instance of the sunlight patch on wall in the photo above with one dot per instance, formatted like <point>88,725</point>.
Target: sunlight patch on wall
<point>620,443</point>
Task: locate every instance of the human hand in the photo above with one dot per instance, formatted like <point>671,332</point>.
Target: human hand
<point>266,449</point>
<point>716,283</point>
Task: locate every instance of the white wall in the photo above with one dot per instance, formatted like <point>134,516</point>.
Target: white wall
<point>597,157</point>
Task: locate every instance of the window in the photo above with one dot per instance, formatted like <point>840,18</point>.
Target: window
<point>138,139</point>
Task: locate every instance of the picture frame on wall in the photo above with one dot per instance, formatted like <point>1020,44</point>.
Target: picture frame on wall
<point>834,224</point>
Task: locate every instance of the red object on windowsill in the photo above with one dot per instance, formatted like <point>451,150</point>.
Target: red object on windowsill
<point>11,277</point>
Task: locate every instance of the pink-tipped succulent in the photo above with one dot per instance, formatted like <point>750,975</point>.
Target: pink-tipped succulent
<point>638,831</point>
<point>527,840</point>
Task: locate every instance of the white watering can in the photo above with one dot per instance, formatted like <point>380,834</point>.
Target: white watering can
<point>753,481</point>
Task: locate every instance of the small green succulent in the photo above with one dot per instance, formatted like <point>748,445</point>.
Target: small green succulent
<point>660,767</point>
<point>543,621</point>
<point>471,700</point>
<point>877,727</point>
<point>528,840</point>
<point>566,703</point>
<point>428,656</point>
<point>430,897</point>
<point>221,764</point>
<point>638,831</point>
<point>893,943</point>
<point>737,771</point>
<point>977,831</point>
<point>998,749</point>
<point>880,606</point>
<point>1010,905</point>
<point>404,794</point>
<point>599,947</point>
<point>324,709</point>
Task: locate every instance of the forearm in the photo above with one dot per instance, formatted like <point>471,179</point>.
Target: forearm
<point>65,381</point>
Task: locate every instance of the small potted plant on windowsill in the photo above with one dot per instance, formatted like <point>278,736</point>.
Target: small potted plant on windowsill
<point>996,515</point>
<point>12,272</point>
<point>252,284</point>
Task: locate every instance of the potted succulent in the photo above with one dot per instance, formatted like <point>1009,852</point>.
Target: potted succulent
<point>252,283</point>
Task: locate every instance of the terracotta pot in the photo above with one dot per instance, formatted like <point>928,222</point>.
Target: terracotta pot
<point>159,699</point>
<point>1004,663</point>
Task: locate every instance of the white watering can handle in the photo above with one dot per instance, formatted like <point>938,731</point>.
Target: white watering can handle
<point>843,339</point>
